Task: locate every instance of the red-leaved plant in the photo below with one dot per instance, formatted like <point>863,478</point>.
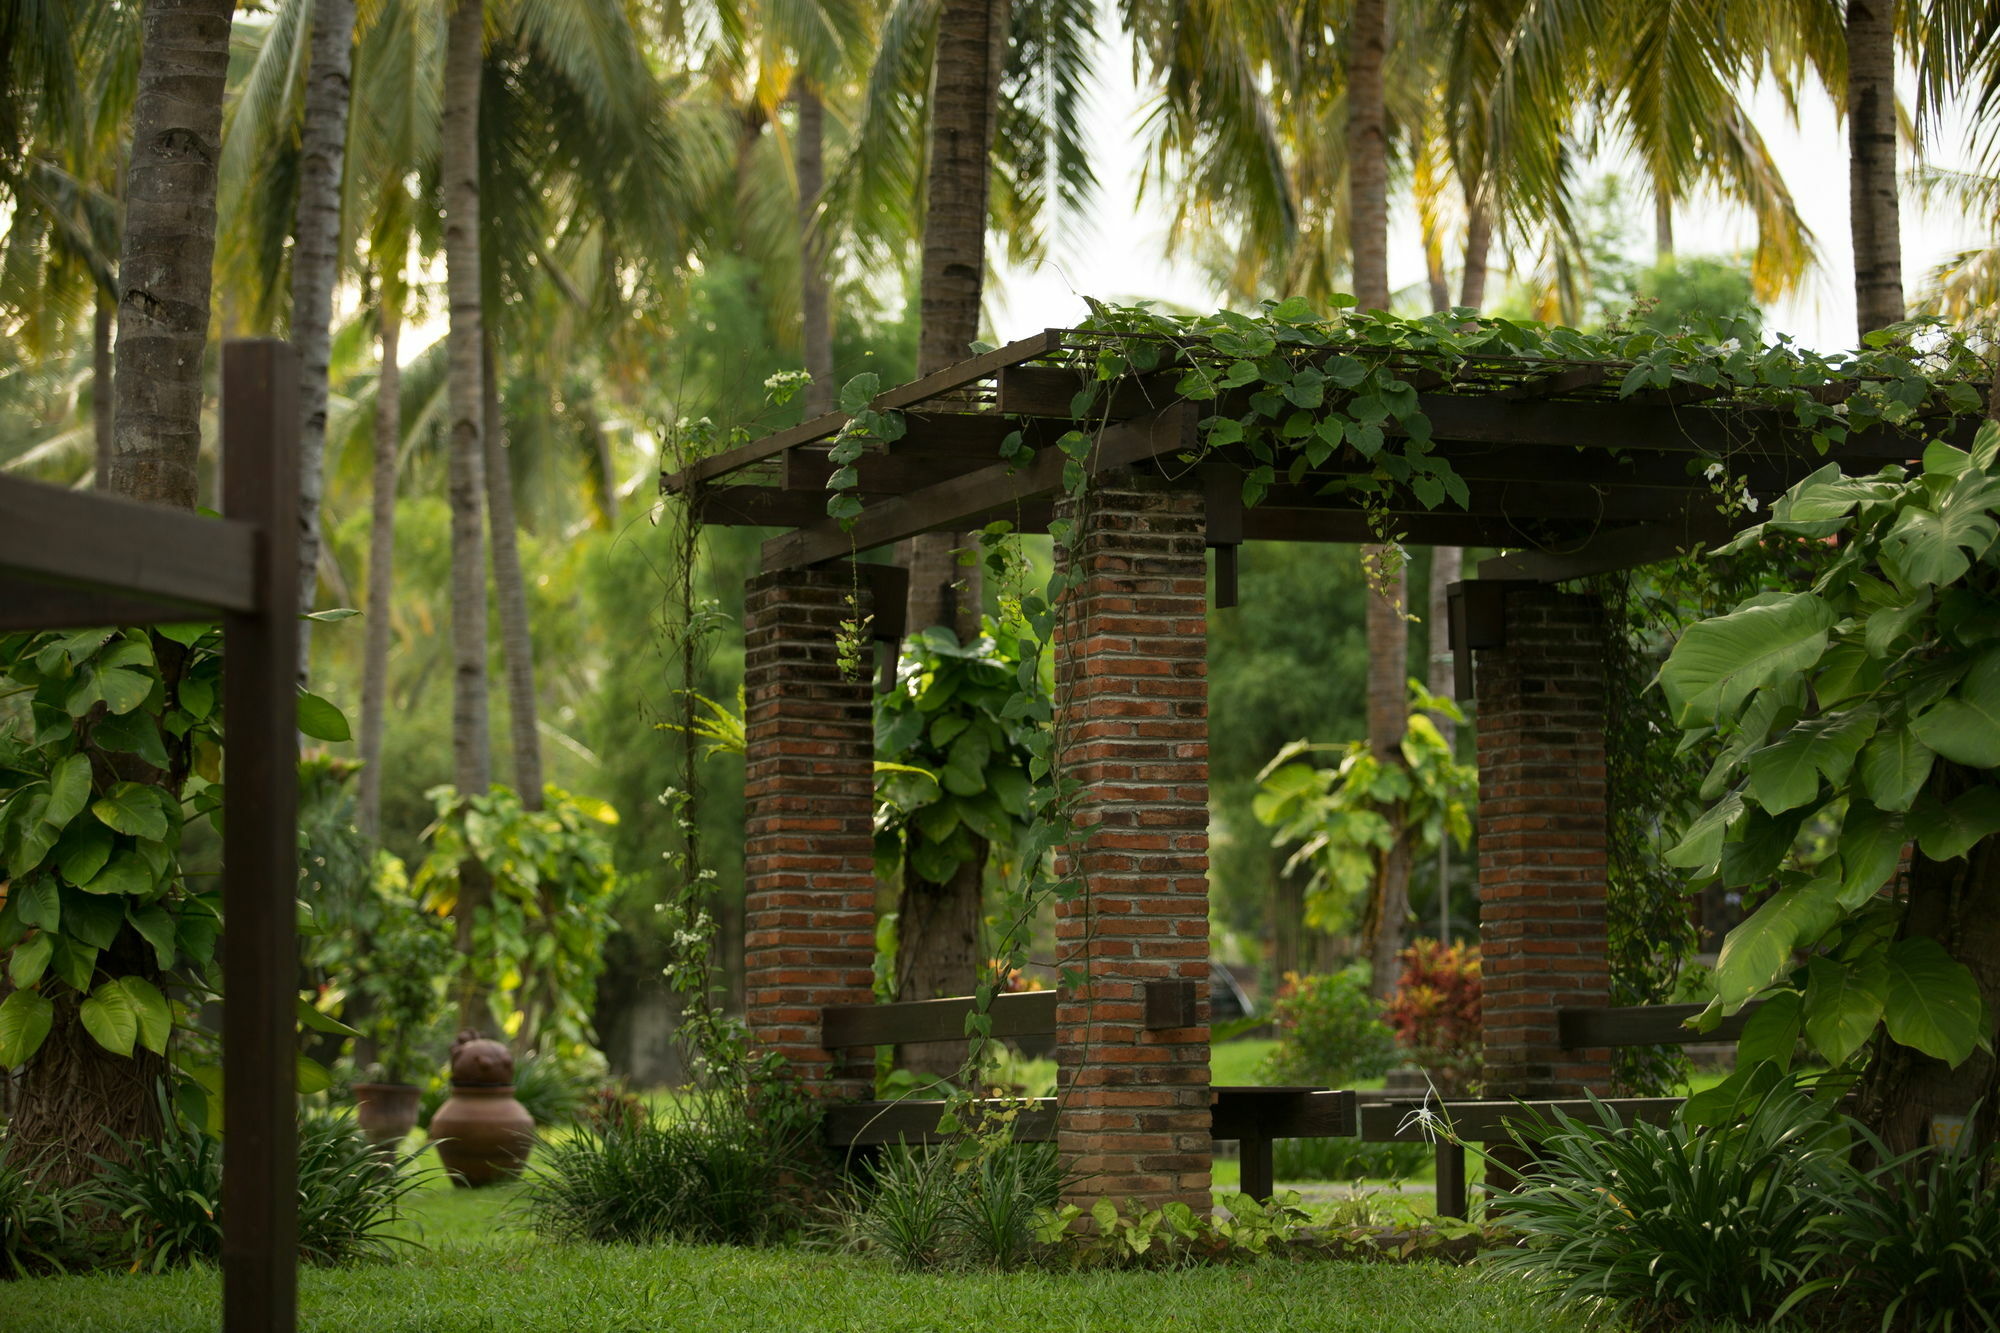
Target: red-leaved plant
<point>1436,1012</point>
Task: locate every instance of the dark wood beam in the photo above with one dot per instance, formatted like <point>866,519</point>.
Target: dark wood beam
<point>1283,1113</point>
<point>993,490</point>
<point>260,865</point>
<point>1023,1014</point>
<point>84,540</point>
<point>930,386</point>
<point>31,604</point>
<point>1646,1025</point>
<point>1489,1122</point>
<point>1604,551</point>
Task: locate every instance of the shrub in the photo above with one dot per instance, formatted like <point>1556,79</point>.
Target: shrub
<point>1435,1012</point>
<point>1347,1159</point>
<point>716,1176</point>
<point>1664,1224</point>
<point>1916,1243</point>
<point>549,1092</point>
<point>168,1195</point>
<point>968,1206</point>
<point>37,1222</point>
<point>1329,1033</point>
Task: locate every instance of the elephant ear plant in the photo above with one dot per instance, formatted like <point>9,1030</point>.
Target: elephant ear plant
<point>1866,705</point>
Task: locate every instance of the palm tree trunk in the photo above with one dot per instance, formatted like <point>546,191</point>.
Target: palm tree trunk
<point>1663,225</point>
<point>965,97</point>
<point>814,313</point>
<point>169,250</point>
<point>472,770</point>
<point>1874,213</point>
<point>1447,564</point>
<point>517,645</point>
<point>1478,245</point>
<point>1368,152</point>
<point>1388,718</point>
<point>101,381</point>
<point>315,265</point>
<point>75,1099</point>
<point>381,564</point>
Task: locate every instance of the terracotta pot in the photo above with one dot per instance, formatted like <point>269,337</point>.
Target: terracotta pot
<point>386,1111</point>
<point>482,1133</point>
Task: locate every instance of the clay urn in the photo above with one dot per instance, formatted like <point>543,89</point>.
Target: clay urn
<point>482,1133</point>
<point>386,1111</point>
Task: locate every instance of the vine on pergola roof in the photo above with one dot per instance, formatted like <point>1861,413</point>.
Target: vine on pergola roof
<point>1588,451</point>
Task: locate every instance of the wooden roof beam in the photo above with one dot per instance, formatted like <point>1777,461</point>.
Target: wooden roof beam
<point>952,504</point>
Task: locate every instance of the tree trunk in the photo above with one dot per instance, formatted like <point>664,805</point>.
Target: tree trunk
<point>73,1096</point>
<point>315,266</point>
<point>1368,153</point>
<point>1440,286</point>
<point>470,744</point>
<point>517,644</point>
<point>102,378</point>
<point>939,955</point>
<point>381,563</point>
<point>1478,244</point>
<point>1447,564</point>
<point>1663,226</point>
<point>168,253</point>
<point>816,317</point>
<point>1874,213</point>
<point>965,94</point>
<point>1388,718</point>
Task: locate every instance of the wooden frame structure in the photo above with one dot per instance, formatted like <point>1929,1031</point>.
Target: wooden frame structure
<point>73,559</point>
<point>1575,477</point>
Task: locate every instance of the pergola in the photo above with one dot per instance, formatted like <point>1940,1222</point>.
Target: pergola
<point>1560,467</point>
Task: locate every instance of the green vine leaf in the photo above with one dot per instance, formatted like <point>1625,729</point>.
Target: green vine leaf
<point>25,1019</point>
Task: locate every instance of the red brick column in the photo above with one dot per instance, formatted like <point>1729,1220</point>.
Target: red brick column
<point>1132,700</point>
<point>1540,719</point>
<point>809,856</point>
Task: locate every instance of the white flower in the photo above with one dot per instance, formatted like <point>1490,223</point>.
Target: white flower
<point>1713,471</point>
<point>1840,409</point>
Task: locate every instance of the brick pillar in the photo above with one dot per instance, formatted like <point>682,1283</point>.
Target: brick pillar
<point>1540,719</point>
<point>809,854</point>
<point>1132,694</point>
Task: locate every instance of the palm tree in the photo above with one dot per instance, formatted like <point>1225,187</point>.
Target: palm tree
<point>1874,211</point>
<point>315,266</point>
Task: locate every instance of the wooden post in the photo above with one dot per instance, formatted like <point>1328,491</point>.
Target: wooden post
<point>1254,1154</point>
<point>1451,1196</point>
<point>260,869</point>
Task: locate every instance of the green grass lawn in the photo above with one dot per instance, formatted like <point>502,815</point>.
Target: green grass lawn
<point>480,1272</point>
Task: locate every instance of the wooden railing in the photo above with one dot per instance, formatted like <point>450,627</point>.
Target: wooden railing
<point>1255,1118</point>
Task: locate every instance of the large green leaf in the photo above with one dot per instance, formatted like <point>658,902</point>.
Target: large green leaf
<point>1965,727</point>
<point>91,919</point>
<point>132,807</point>
<point>1929,548</point>
<point>1760,949</point>
<point>30,836</point>
<point>156,927</point>
<point>149,1007</point>
<point>110,1017</point>
<point>1946,832</point>
<point>122,691</point>
<point>30,959</point>
<point>1843,1004</point>
<point>85,847</point>
<point>1701,849</point>
<point>1772,1034</point>
<point>1894,766</point>
<point>1870,848</point>
<point>69,790</point>
<point>1719,663</point>
<point>37,902</point>
<point>321,720</point>
<point>1785,774</point>
<point>1931,1003</point>
<point>127,874</point>
<point>25,1017</point>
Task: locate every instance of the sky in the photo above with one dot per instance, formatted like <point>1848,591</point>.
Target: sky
<point>1119,251</point>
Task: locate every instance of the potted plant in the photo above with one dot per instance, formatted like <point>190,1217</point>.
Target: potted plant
<point>402,979</point>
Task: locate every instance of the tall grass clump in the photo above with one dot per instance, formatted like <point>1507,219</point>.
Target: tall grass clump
<point>1915,1243</point>
<point>167,1194</point>
<point>716,1175</point>
<point>38,1223</point>
<point>1664,1224</point>
<point>939,1207</point>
